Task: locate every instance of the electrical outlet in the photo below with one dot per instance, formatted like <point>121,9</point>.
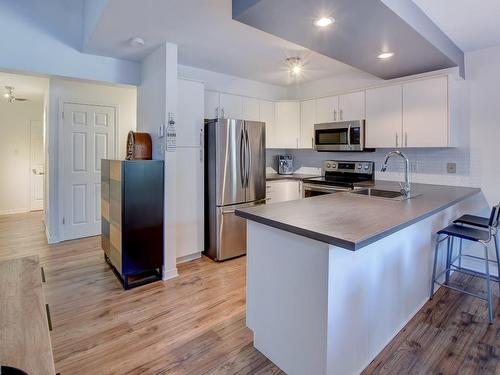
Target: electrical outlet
<point>451,167</point>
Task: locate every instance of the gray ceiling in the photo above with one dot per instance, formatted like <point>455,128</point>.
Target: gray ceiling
<point>363,29</point>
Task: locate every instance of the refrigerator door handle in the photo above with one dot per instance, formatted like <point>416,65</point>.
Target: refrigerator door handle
<point>242,158</point>
<point>248,157</point>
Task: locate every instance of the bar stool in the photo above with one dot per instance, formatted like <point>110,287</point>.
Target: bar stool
<point>474,233</point>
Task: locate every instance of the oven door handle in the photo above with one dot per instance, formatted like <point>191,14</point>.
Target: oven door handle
<point>324,189</point>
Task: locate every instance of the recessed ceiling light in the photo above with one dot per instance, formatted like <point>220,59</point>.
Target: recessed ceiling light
<point>386,55</point>
<point>324,21</point>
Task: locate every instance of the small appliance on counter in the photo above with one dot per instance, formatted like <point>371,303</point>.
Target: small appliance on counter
<point>285,164</point>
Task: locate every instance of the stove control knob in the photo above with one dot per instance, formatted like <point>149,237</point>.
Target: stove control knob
<point>359,166</point>
<point>367,167</point>
<point>334,165</point>
<point>328,165</point>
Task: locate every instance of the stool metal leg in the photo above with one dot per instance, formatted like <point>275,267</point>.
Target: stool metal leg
<point>449,248</point>
<point>495,239</point>
<point>460,253</point>
<point>434,266</point>
<point>488,284</point>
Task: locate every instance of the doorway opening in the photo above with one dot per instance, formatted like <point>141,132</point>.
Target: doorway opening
<point>22,143</point>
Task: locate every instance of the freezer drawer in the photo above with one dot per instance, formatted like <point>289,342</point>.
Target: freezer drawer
<point>228,238</point>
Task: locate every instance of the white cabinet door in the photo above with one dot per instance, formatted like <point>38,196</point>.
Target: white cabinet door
<point>307,121</point>
<point>384,117</point>
<point>212,103</point>
<point>425,113</point>
<point>327,109</point>
<point>231,106</point>
<point>283,190</point>
<point>268,115</point>
<point>287,124</point>
<point>189,182</point>
<point>190,110</point>
<point>250,109</point>
<point>352,106</point>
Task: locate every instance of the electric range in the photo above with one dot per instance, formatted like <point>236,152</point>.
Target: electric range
<point>339,176</point>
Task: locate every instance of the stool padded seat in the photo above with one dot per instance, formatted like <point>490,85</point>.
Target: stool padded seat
<point>467,233</point>
<point>477,221</point>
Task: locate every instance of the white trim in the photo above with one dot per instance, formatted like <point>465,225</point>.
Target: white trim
<point>188,258</point>
<point>60,153</point>
<point>14,211</point>
<point>170,274</point>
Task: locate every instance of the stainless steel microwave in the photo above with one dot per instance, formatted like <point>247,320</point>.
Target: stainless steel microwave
<point>340,136</point>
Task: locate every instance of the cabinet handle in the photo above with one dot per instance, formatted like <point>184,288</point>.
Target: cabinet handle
<point>334,115</point>
<point>397,140</point>
<point>49,320</point>
<point>201,155</point>
<point>312,142</point>
<point>297,142</point>
<point>406,139</point>
<point>222,110</point>
<point>216,112</point>
<point>43,274</point>
<point>341,112</point>
<point>201,137</point>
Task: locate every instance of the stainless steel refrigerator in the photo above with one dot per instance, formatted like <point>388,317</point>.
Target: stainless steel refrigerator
<point>235,177</point>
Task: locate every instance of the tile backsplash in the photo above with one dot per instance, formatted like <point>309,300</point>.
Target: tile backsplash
<point>427,165</point>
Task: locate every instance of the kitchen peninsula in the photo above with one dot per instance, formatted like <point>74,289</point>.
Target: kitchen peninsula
<point>332,279</point>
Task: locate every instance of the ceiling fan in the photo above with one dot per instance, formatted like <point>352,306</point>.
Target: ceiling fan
<point>11,96</point>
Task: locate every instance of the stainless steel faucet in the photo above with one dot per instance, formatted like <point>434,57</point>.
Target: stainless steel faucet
<point>406,188</point>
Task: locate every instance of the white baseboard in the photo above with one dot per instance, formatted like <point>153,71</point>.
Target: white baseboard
<point>188,258</point>
<point>14,211</point>
<point>169,274</point>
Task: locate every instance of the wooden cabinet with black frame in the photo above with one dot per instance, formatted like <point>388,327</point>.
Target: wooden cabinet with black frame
<point>132,219</point>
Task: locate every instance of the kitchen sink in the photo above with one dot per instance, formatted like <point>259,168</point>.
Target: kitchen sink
<point>386,194</point>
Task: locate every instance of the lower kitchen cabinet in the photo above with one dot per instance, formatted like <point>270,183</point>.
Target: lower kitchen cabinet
<point>283,190</point>
<point>190,202</point>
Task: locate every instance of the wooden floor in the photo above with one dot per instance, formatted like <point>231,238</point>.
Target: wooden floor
<point>195,324</point>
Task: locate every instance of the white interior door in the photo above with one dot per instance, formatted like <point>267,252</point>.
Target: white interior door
<point>36,166</point>
<point>88,137</point>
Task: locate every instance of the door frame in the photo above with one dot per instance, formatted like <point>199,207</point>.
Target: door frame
<point>30,208</point>
<point>60,150</point>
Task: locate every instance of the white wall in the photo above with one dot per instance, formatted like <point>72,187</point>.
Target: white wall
<point>483,73</point>
<point>15,154</point>
<point>45,37</point>
<point>233,85</point>
<point>125,97</point>
<point>157,97</point>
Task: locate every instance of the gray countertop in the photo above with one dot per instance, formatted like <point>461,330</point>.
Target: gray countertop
<point>295,176</point>
<point>353,221</point>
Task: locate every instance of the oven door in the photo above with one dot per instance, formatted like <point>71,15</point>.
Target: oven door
<point>313,190</point>
<point>339,136</point>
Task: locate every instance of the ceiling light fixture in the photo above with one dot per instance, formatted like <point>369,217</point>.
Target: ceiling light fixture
<point>386,55</point>
<point>324,21</point>
<point>294,66</point>
<point>136,42</point>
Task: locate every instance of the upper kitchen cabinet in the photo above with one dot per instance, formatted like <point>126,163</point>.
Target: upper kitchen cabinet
<point>383,117</point>
<point>212,104</point>
<point>352,106</point>
<point>250,109</point>
<point>190,113</point>
<point>425,113</point>
<point>327,109</point>
<point>287,130</point>
<point>268,116</point>
<point>231,106</point>
<point>307,121</point>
